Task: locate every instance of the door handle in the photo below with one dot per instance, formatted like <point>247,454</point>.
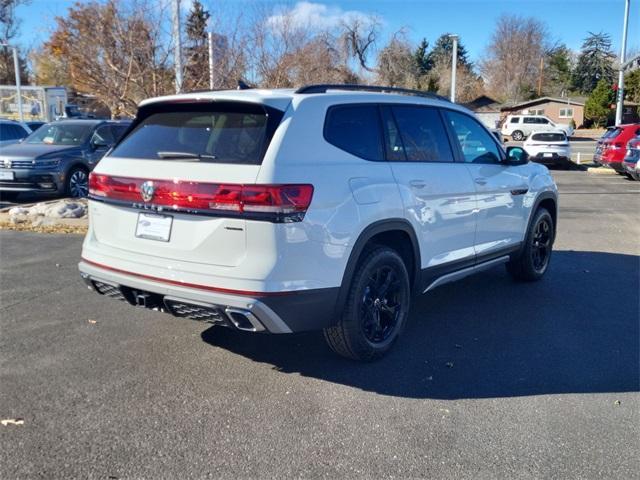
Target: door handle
<point>481,181</point>
<point>417,183</point>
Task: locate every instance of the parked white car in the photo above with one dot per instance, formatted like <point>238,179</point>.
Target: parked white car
<point>324,208</point>
<point>519,127</point>
<point>12,131</point>
<point>550,147</point>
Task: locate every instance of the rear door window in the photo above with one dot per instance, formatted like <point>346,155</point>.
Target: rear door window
<point>220,133</point>
<point>422,133</point>
<point>515,120</point>
<point>355,129</point>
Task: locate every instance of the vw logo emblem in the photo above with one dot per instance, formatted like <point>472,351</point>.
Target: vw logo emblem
<point>147,190</point>
<point>7,163</point>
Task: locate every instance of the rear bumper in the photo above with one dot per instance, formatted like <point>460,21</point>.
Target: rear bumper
<point>284,312</point>
<point>556,157</point>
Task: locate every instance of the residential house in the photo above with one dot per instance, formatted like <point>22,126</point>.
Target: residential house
<point>559,110</point>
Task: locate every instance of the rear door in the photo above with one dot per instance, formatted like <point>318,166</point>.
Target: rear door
<point>156,192</point>
<point>501,189</point>
<point>438,194</point>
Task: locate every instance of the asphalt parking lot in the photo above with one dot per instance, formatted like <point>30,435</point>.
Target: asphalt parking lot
<point>492,379</point>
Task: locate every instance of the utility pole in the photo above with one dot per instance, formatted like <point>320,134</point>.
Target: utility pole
<point>454,66</point>
<point>210,39</point>
<point>16,68</point>
<point>177,52</point>
<point>623,52</point>
<point>540,76</point>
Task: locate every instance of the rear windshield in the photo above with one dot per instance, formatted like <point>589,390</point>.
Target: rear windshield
<point>203,133</point>
<point>613,133</point>
<point>549,137</point>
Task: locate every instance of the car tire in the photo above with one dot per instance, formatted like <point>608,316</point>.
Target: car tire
<point>517,136</point>
<point>77,183</point>
<point>533,260</point>
<point>9,196</point>
<point>376,309</point>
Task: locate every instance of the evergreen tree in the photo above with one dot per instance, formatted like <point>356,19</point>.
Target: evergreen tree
<point>557,73</point>
<point>632,86</point>
<point>443,49</point>
<point>598,106</point>
<point>595,63</point>
<point>196,49</point>
<point>421,58</point>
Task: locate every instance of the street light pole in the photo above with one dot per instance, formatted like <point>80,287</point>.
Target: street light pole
<point>454,66</point>
<point>623,52</point>
<point>177,53</point>
<point>16,68</point>
<point>210,39</point>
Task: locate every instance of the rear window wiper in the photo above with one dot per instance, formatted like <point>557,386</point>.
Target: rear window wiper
<point>185,156</point>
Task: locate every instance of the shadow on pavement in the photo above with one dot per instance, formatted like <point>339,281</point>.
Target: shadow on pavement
<point>576,331</point>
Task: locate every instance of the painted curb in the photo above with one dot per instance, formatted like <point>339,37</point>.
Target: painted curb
<point>601,171</point>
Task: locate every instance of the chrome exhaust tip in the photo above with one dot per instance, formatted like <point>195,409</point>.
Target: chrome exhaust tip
<point>244,320</point>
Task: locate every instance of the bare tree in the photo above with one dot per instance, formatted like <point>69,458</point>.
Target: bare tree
<point>396,64</point>
<point>358,38</point>
<point>511,67</point>
<point>9,25</point>
<point>113,51</point>
<point>469,85</point>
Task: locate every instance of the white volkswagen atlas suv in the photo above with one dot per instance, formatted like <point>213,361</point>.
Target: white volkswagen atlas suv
<point>322,208</point>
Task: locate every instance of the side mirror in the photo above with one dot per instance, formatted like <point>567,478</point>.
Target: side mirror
<point>98,142</point>
<point>517,156</point>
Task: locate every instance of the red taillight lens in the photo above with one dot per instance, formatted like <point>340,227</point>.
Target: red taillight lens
<point>269,202</point>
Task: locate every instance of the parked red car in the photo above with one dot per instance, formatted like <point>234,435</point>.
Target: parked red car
<point>614,146</point>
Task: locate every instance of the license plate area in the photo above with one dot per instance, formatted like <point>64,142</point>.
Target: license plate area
<point>7,176</point>
<point>153,226</point>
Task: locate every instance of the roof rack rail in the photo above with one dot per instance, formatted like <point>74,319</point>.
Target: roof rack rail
<point>323,87</point>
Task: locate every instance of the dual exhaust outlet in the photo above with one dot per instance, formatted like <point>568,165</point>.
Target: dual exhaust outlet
<point>240,318</point>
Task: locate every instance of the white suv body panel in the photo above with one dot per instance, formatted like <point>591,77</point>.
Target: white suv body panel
<point>462,211</point>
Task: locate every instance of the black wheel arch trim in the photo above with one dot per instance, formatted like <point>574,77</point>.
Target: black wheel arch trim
<point>545,196</point>
<point>536,205</point>
<point>376,228</point>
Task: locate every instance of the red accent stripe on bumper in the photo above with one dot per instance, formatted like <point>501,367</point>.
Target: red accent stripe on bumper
<point>188,285</point>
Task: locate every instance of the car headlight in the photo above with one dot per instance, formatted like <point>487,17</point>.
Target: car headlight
<point>47,163</point>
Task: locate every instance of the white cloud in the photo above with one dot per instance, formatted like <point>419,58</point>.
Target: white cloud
<point>314,16</point>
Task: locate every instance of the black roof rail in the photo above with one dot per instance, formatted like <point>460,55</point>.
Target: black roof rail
<point>323,87</point>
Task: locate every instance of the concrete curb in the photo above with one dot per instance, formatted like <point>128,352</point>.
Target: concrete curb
<point>601,171</point>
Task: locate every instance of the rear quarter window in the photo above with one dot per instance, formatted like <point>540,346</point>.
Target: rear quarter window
<point>355,129</point>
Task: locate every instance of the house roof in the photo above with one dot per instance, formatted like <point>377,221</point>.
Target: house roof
<point>576,101</point>
<point>484,103</point>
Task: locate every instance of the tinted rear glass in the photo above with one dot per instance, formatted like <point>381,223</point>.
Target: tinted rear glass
<point>355,129</point>
<point>423,135</point>
<point>179,132</point>
<point>548,137</point>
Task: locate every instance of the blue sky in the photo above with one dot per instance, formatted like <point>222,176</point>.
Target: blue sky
<point>568,20</point>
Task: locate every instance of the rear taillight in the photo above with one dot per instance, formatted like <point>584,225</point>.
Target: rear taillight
<point>277,203</point>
